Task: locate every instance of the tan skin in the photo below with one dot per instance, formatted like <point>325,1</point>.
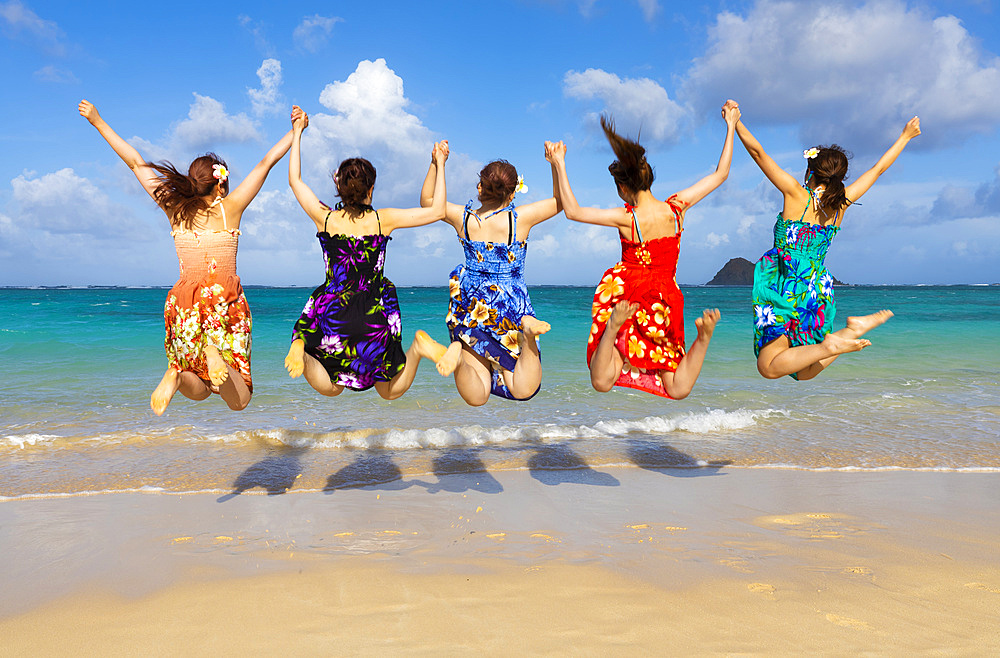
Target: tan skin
<point>656,220</point>
<point>473,376</point>
<point>223,378</point>
<point>341,222</point>
<point>778,358</point>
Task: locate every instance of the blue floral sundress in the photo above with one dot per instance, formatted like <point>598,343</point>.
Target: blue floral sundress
<point>488,298</point>
<point>792,290</point>
<point>351,323</point>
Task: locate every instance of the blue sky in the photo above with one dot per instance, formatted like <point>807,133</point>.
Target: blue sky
<point>386,79</point>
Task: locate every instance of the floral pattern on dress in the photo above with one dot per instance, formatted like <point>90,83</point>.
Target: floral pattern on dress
<point>792,289</point>
<point>653,338</point>
<point>351,323</point>
<point>487,299</point>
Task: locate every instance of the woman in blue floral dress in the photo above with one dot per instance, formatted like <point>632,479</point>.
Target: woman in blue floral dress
<point>489,312</point>
<point>349,334</point>
<point>792,290</point>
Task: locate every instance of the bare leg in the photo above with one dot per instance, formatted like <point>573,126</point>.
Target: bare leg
<point>777,358</point>
<point>423,347</point>
<point>857,326</point>
<point>607,362</point>
<point>678,384</point>
<point>218,369</point>
<point>234,391</point>
<point>473,377</point>
<point>527,375</point>
<point>298,362</point>
<point>188,383</point>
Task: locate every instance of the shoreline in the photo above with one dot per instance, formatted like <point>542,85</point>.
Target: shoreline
<point>611,559</point>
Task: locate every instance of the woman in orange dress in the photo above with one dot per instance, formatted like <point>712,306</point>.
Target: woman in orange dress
<point>637,336</point>
<point>206,316</point>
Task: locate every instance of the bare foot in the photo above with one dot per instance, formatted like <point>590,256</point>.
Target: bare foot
<point>532,326</point>
<point>620,315</point>
<point>838,345</point>
<point>294,362</point>
<point>452,357</point>
<point>445,358</point>
<point>218,370</point>
<point>164,391</point>
<point>862,324</point>
<point>706,324</point>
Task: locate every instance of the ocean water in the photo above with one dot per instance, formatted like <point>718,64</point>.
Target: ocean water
<point>77,367</point>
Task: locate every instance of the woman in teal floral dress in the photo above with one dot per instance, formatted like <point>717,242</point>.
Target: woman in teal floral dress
<point>792,291</point>
<point>350,331</point>
<point>489,311</point>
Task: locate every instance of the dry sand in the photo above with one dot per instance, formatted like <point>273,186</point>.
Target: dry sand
<point>620,561</point>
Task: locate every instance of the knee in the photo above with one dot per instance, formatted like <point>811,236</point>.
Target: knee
<point>678,395</point>
<point>239,405</point>
<point>766,372</point>
<point>601,386</point>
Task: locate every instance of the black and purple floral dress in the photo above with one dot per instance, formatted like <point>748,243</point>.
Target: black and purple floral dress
<point>351,323</point>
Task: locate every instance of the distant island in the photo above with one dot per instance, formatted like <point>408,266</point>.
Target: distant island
<point>739,272</point>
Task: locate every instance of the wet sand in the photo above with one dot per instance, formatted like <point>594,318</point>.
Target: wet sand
<point>595,561</point>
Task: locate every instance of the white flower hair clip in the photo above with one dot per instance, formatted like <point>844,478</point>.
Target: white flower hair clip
<point>809,154</point>
<point>520,188</point>
<point>220,172</point>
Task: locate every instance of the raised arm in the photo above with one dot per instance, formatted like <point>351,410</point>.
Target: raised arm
<point>303,193</point>
<point>145,174</point>
<point>394,218</point>
<point>701,189</point>
<point>453,211</point>
<point>864,182</point>
<point>555,153</point>
<point>780,178</point>
<point>240,198</point>
<point>531,214</point>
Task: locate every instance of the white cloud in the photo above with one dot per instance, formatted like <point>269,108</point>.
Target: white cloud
<point>546,245</point>
<point>19,20</point>
<point>650,8</point>
<point>52,74</point>
<point>208,125</point>
<point>713,239</point>
<point>849,72</point>
<point>960,201</point>
<point>267,99</point>
<point>635,103</point>
<point>256,30</point>
<point>370,120</point>
<point>314,31</point>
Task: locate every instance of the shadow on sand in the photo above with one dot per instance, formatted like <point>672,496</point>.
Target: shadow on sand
<point>461,469</point>
<point>652,455</point>
<point>369,470</point>
<point>557,463</point>
<point>275,473</point>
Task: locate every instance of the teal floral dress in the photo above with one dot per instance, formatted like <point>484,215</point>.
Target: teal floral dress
<point>792,290</point>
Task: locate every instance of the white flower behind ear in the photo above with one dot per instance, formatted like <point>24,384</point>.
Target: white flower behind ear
<point>520,188</point>
<point>220,172</point>
<point>809,154</point>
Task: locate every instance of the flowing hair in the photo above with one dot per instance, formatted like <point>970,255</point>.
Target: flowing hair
<point>829,169</point>
<point>630,169</point>
<point>183,196</point>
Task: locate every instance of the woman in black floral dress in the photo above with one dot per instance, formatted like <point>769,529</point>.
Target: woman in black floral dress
<point>349,335</point>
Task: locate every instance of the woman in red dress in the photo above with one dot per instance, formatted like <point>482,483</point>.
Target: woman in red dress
<point>637,337</point>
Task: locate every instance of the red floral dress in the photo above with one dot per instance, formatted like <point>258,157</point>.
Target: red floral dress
<point>207,306</point>
<point>653,338</point>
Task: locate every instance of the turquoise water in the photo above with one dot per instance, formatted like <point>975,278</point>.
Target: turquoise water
<point>77,367</point>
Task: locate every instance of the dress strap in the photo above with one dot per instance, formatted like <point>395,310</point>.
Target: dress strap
<point>325,219</point>
<point>465,218</point>
<point>677,206</point>
<point>630,209</point>
<point>510,227</point>
<point>808,201</point>
<point>379,222</point>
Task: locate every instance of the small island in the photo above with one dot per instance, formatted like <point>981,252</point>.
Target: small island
<point>739,272</point>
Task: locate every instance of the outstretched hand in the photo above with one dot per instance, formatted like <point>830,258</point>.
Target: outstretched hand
<point>88,111</point>
<point>912,128</point>
<point>300,120</point>
<point>555,151</point>
<point>440,152</point>
<point>731,112</point>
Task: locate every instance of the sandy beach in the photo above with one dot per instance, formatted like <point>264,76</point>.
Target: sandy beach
<point>617,560</point>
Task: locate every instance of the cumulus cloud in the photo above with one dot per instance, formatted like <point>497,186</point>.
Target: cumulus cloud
<point>370,119</point>
<point>849,72</point>
<point>267,99</point>
<point>20,22</point>
<point>208,124</point>
<point>713,239</point>
<point>635,103</point>
<point>314,31</point>
<point>959,201</point>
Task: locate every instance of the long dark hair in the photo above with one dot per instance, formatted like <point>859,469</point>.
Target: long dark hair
<point>630,169</point>
<point>829,169</point>
<point>355,177</point>
<point>183,196</point>
<point>497,182</point>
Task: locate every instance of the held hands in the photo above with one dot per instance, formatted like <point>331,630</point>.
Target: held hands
<point>440,152</point>
<point>88,111</point>
<point>300,120</point>
<point>912,128</point>
<point>731,112</point>
<point>555,152</point>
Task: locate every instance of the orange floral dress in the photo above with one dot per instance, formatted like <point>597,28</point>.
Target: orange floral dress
<point>653,338</point>
<point>207,305</point>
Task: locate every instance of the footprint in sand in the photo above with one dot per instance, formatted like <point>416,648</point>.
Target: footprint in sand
<point>813,525</point>
<point>763,589</point>
<point>984,587</point>
<point>736,565</point>
<point>848,622</point>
